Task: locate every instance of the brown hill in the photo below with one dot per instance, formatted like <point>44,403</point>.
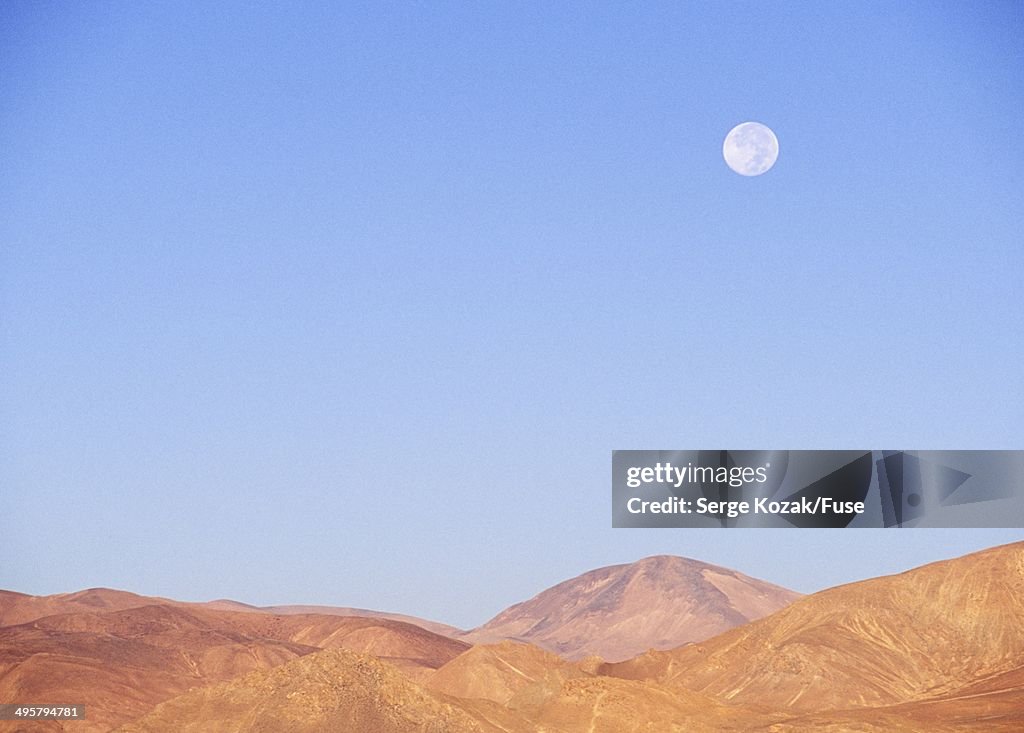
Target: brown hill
<point>619,611</point>
<point>609,705</point>
<point>545,692</point>
<point>993,705</point>
<point>502,671</point>
<point>329,691</point>
<point>434,626</point>
<point>413,649</point>
<point>1003,713</point>
<point>939,632</point>
<point>19,608</point>
<point>121,663</point>
<point>937,649</point>
<point>340,691</point>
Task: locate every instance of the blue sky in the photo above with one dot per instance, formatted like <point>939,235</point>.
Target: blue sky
<point>350,303</point>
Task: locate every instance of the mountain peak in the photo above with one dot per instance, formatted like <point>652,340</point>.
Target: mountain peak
<point>658,602</point>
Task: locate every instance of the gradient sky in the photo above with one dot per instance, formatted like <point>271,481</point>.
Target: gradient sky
<point>350,303</point>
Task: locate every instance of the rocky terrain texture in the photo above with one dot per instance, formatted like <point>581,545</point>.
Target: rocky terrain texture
<point>120,663</point>
<point>937,649</point>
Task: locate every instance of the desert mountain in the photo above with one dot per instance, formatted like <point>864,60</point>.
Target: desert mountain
<point>19,608</point>
<point>619,611</point>
<point>500,672</point>
<point>416,651</point>
<point>121,663</point>
<point>994,705</point>
<point>545,692</point>
<point>340,691</point>
<point>434,626</point>
<point>937,649</point>
<point>944,631</point>
<point>331,691</point>
<point>290,610</point>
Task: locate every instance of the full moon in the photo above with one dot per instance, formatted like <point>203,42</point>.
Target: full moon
<point>750,148</point>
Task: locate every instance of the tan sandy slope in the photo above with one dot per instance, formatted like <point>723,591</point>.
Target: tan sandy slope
<point>948,631</point>
<point>340,691</point>
<point>500,672</point>
<point>333,690</point>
